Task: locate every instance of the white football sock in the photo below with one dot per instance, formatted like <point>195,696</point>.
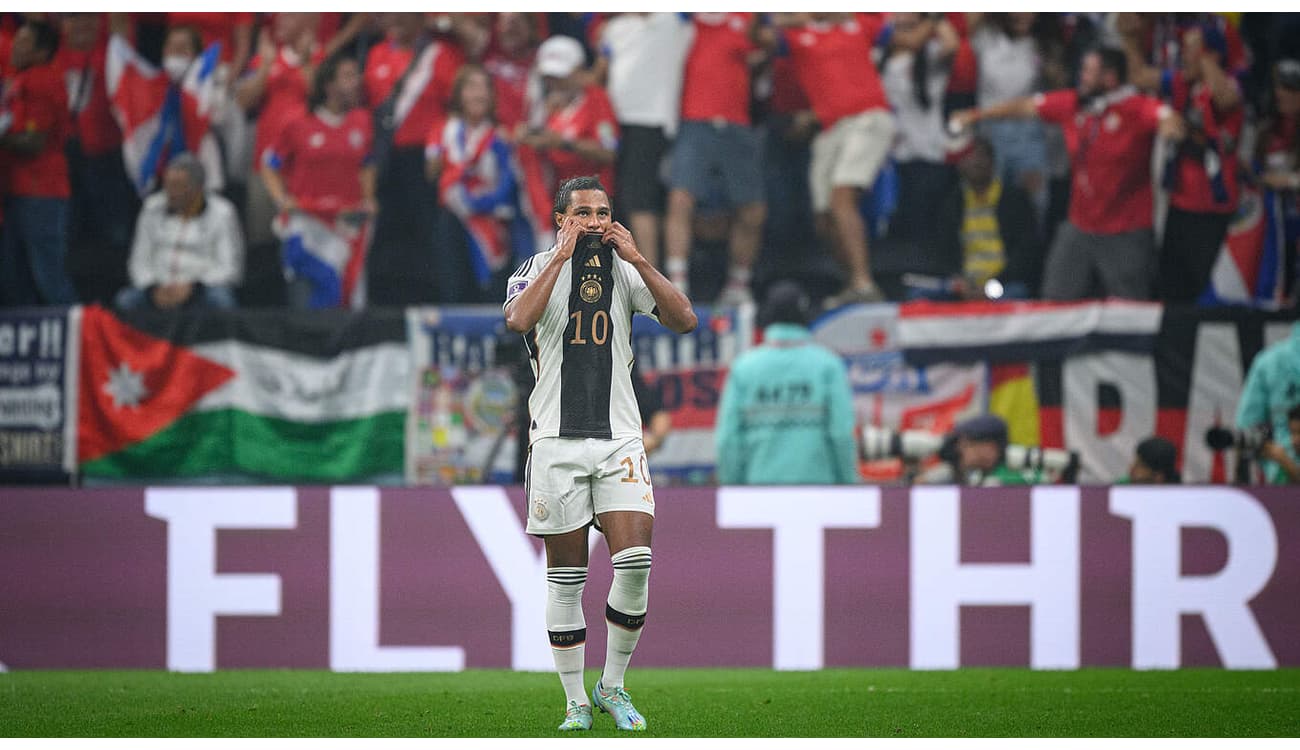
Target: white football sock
<point>567,628</point>
<point>625,611</point>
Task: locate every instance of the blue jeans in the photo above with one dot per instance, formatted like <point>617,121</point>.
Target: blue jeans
<point>212,297</point>
<point>33,243</point>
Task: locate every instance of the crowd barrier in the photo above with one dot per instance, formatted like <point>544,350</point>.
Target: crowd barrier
<point>362,578</point>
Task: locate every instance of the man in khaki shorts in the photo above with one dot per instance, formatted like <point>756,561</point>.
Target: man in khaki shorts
<point>586,464</point>
<point>831,55</point>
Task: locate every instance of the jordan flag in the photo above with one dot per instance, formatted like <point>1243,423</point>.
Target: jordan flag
<point>158,119</point>
<point>285,396</point>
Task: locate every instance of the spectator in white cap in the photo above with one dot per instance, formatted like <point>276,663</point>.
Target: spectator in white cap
<point>574,129</point>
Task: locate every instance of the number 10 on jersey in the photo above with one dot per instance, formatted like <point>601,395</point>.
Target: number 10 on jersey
<point>598,331</point>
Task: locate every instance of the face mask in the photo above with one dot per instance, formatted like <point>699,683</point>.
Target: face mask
<point>176,65</point>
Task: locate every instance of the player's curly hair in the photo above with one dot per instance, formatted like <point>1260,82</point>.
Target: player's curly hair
<point>565,193</point>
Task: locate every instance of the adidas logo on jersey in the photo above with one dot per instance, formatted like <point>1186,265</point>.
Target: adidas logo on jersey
<point>593,262</point>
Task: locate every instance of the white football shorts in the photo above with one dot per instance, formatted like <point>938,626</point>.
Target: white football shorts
<point>569,482</point>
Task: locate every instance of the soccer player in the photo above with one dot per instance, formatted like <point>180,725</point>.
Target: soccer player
<point>586,461</point>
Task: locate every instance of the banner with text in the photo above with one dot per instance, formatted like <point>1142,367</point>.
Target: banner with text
<point>367,579</point>
<point>37,390</point>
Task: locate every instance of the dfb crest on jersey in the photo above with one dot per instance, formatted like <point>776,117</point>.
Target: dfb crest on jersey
<point>591,290</point>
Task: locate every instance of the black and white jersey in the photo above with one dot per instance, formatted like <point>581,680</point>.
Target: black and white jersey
<point>581,347</point>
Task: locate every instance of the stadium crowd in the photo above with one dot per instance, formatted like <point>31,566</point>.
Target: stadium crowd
<point>326,159</point>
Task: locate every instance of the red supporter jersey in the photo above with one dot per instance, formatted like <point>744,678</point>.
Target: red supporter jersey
<point>321,162</point>
<point>38,101</point>
<point>590,116</point>
<point>285,98</point>
<point>833,62</point>
<point>715,82</point>
<point>87,91</point>
<point>510,82</point>
<point>1110,158</point>
<point>432,91</point>
<point>214,27</point>
<point>1192,191</point>
<point>385,63</point>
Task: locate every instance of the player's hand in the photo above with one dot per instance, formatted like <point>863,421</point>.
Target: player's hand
<point>566,238</point>
<point>624,245</point>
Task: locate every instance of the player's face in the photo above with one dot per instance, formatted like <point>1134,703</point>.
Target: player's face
<point>592,209</point>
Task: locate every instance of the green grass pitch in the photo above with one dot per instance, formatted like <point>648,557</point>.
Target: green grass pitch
<point>676,703</point>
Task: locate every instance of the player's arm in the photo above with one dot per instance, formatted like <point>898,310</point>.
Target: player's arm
<point>675,311</point>
<point>523,312</point>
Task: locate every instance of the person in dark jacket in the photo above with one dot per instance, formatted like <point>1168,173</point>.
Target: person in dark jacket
<point>990,244</point>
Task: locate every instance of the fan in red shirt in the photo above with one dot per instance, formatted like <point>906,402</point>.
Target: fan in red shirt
<point>102,199</point>
<point>1202,175</point>
<point>509,59</point>
<point>580,136</point>
<point>400,272</point>
<point>831,55</point>
<point>716,139</point>
<point>320,166</point>
<point>277,86</point>
<point>34,122</point>
<point>1110,130</point>
<point>389,59</point>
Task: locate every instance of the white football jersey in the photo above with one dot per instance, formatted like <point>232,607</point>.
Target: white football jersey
<point>581,347</point>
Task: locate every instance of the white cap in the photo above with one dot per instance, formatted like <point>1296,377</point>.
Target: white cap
<point>559,56</point>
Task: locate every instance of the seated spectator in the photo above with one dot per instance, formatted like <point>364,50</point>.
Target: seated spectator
<point>34,122</point>
<point>188,250</point>
<point>320,175</point>
<point>989,232</point>
<point>580,134</point>
<point>1155,462</point>
<point>482,230</point>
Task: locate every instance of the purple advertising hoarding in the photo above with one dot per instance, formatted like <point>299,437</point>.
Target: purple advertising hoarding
<point>392,579</point>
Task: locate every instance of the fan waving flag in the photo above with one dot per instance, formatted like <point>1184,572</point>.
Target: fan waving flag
<point>478,186</point>
<point>1250,269</point>
<point>327,249</point>
<point>158,118</point>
